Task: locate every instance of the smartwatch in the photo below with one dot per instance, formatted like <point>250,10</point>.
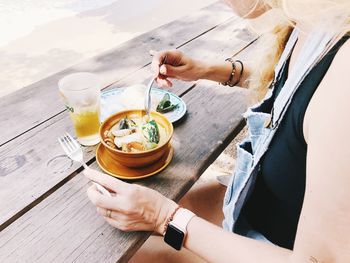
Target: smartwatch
<point>177,228</point>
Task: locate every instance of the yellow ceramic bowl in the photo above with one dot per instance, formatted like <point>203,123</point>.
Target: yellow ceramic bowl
<point>137,159</point>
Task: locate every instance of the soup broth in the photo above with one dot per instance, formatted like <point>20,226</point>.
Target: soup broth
<point>134,133</point>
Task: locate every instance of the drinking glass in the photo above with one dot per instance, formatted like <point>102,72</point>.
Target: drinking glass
<point>81,95</point>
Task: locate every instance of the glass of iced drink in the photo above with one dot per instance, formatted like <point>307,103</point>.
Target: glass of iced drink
<point>81,95</point>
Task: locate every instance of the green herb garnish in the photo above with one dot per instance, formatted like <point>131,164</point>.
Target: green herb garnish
<point>165,104</point>
<point>151,132</point>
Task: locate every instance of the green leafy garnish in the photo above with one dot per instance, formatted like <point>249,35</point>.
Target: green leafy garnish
<point>165,104</point>
<point>151,132</point>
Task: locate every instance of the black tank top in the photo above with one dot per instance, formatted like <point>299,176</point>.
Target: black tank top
<point>275,204</point>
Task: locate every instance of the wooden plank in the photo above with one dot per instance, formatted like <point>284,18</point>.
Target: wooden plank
<point>35,163</point>
<point>224,41</point>
<point>65,226</point>
<point>32,105</point>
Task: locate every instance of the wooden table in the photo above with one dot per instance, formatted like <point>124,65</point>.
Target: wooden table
<point>45,215</point>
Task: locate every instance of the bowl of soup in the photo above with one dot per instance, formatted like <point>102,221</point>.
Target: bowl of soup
<point>133,139</point>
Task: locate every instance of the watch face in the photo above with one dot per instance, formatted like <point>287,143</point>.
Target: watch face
<point>174,237</point>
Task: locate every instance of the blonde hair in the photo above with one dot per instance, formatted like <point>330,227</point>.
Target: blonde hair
<point>333,15</point>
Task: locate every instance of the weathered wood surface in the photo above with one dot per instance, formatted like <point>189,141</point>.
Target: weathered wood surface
<point>31,106</point>
<point>65,226</point>
<point>225,40</point>
<point>35,163</point>
<point>45,214</point>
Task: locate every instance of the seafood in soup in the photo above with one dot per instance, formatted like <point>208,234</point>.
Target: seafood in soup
<point>135,134</point>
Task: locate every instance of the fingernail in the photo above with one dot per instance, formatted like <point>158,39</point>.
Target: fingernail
<point>162,70</point>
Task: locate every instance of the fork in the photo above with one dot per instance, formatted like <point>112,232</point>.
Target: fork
<point>73,150</point>
<point>148,97</point>
<point>148,91</point>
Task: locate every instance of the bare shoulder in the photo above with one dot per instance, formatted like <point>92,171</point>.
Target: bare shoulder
<point>325,217</point>
<point>327,122</point>
<point>338,76</point>
<point>340,64</point>
<point>332,97</point>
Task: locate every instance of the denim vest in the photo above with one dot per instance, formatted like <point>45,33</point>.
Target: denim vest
<point>262,122</point>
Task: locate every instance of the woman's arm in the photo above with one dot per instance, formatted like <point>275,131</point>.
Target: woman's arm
<point>135,208</point>
<point>174,64</point>
<point>324,227</point>
<point>220,72</point>
<point>214,244</point>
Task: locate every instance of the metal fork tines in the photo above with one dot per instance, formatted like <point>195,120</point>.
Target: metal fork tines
<point>72,148</point>
<point>74,152</point>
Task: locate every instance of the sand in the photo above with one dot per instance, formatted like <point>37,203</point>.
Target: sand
<point>40,38</point>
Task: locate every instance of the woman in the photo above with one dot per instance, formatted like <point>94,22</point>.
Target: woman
<point>288,200</point>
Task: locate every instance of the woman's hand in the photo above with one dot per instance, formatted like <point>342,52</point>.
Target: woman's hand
<point>133,207</point>
<point>174,64</point>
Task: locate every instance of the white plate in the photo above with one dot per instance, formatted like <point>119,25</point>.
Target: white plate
<point>113,100</point>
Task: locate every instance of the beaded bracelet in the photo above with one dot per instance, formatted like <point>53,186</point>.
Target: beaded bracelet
<point>242,70</point>
<point>169,219</point>
<point>233,72</point>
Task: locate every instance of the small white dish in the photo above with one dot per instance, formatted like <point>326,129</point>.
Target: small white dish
<point>118,99</point>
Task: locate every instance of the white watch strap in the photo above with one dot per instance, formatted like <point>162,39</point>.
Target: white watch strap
<point>181,219</point>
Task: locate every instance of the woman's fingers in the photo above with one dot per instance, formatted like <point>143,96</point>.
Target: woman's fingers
<point>137,208</point>
<point>117,219</point>
<point>106,212</point>
<point>118,216</point>
<point>158,58</point>
<point>170,71</point>
<point>112,222</point>
<point>126,225</point>
<point>164,83</point>
<point>99,200</point>
<point>170,57</point>
<point>102,211</point>
<point>106,180</point>
<point>122,225</point>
